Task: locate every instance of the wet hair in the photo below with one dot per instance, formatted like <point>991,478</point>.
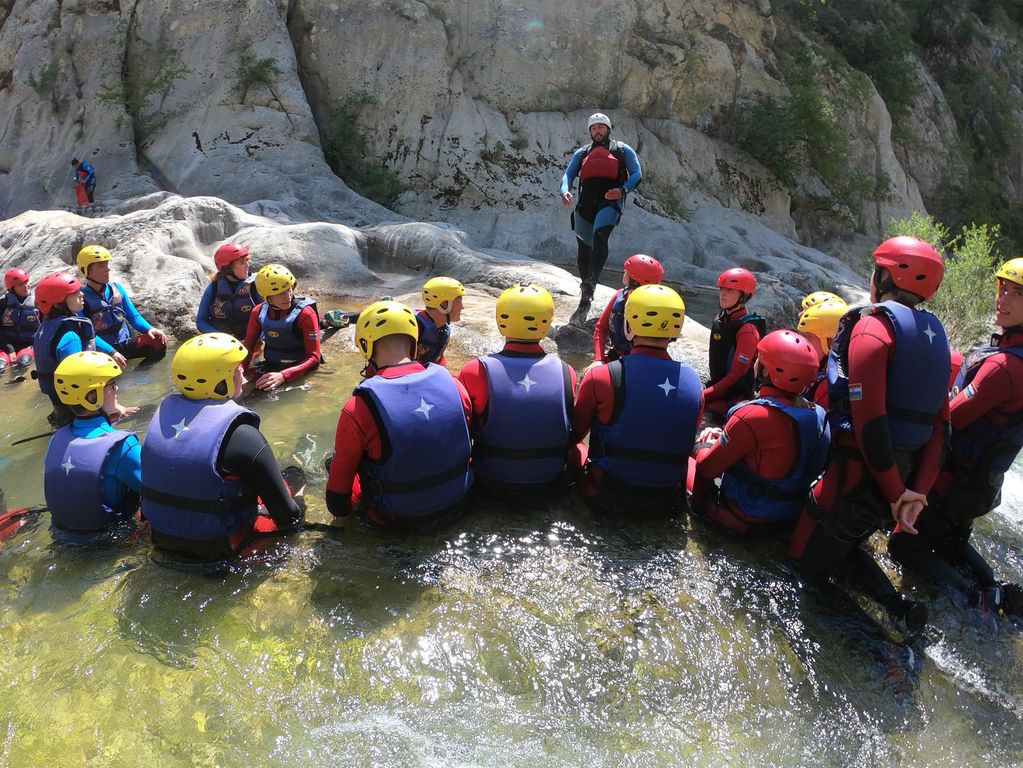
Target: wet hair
<point>58,309</point>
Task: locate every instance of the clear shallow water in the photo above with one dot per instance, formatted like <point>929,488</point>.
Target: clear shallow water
<point>518,637</point>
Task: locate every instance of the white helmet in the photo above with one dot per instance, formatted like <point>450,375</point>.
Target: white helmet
<point>598,118</point>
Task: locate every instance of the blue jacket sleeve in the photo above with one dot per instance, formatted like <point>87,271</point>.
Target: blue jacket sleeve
<point>68,344</point>
<point>135,320</point>
<point>90,172</point>
<point>568,179</point>
<point>202,315</point>
<point>632,166</point>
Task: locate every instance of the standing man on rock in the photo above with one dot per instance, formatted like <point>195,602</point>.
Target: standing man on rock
<point>85,174</point>
<point>608,170</point>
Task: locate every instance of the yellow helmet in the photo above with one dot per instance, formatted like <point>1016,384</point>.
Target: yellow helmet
<point>89,255</point>
<point>819,297</point>
<point>437,290</point>
<point>273,279</point>
<point>1012,270</point>
<point>655,310</point>
<point>203,367</point>
<point>524,312</point>
<point>822,320</point>
<point>383,318</point>
<point>82,373</point>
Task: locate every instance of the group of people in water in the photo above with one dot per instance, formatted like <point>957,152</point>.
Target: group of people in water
<point>842,426</point>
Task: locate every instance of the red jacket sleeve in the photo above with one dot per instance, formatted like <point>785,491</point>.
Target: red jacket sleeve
<point>593,402</point>
<point>356,436</point>
<point>251,336</point>
<point>600,331</point>
<point>746,341</point>
<point>737,442</point>
<point>990,388</point>
<point>474,380</point>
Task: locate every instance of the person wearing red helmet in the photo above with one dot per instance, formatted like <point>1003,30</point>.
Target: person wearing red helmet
<point>19,320</point>
<point>61,333</point>
<point>608,171</point>
<point>986,412</point>
<point>734,336</point>
<point>609,341</point>
<point>888,398</point>
<point>231,294</point>
<point>772,449</point>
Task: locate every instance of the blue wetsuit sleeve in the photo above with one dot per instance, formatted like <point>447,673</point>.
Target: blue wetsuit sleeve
<point>68,344</point>
<point>128,466</point>
<point>202,315</point>
<point>90,172</point>
<point>135,320</point>
<point>573,170</point>
<point>633,167</point>
<point>103,346</point>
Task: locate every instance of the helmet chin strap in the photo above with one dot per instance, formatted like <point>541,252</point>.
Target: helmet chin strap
<point>743,298</point>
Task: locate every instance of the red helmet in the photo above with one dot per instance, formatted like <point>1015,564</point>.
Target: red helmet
<point>738,278</point>
<point>788,360</point>
<point>14,275</point>
<point>645,270</point>
<point>54,289</point>
<point>228,253</point>
<point>913,263</point>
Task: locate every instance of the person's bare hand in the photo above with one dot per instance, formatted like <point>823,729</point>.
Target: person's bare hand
<point>907,508</point>
<point>566,198</point>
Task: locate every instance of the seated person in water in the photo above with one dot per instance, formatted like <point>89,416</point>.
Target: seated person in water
<point>772,449</point>
<point>818,323</point>
<point>19,321</point>
<point>62,333</point>
<point>442,297</point>
<point>609,342</point>
<point>288,326</point>
<point>733,342</point>
<point>401,450</point>
<point>521,402</point>
<point>208,470</point>
<point>987,433</point>
<point>229,298</point>
<point>641,412</point>
<point>113,315</point>
<point>92,471</point>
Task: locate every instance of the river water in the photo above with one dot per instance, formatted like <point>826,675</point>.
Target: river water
<point>516,638</point>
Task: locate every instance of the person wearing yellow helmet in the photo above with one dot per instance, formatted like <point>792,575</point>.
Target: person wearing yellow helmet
<point>772,448</point>
<point>442,297</point>
<point>113,315</point>
<point>818,322</point>
<point>207,468</point>
<point>986,413</point>
<point>92,472</point>
<point>521,402</point>
<point>401,449</point>
<point>641,412</point>
<point>288,326</point>
<point>609,342</point>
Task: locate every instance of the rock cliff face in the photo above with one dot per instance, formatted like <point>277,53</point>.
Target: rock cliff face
<point>474,107</point>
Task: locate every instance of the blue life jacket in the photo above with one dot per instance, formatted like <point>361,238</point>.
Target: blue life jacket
<point>45,343</point>
<point>781,499</point>
<point>283,345</point>
<point>73,481</point>
<point>19,320</point>
<point>914,393</point>
<point>616,324</point>
<point>424,466</point>
<point>525,438</point>
<point>231,305</point>
<point>722,349</point>
<point>432,340</point>
<point>653,425</point>
<point>107,316</point>
<point>184,495</point>
<point>983,444</point>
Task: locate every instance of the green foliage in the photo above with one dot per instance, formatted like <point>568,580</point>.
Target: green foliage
<point>136,90</point>
<point>965,303</point>
<point>344,149</point>
<point>253,71</point>
<point>45,84</point>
